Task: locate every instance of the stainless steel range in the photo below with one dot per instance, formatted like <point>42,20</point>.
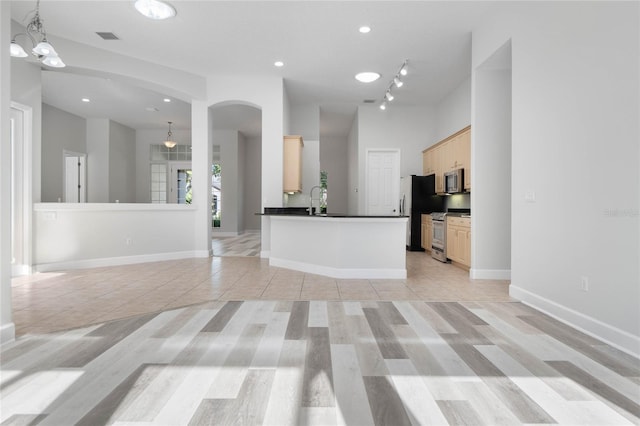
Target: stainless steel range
<point>439,237</point>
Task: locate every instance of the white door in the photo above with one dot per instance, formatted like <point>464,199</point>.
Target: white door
<point>179,183</point>
<point>383,182</point>
<point>75,177</point>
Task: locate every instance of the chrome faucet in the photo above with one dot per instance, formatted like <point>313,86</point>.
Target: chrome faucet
<point>311,199</point>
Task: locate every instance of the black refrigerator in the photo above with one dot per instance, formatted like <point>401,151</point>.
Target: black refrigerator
<point>418,197</point>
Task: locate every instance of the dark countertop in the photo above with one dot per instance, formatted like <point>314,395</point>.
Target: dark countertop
<point>304,211</point>
<point>336,215</point>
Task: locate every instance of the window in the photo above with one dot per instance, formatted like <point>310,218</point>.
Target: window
<point>159,183</point>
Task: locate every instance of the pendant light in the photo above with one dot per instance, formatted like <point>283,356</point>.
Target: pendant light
<point>41,48</point>
<point>169,143</point>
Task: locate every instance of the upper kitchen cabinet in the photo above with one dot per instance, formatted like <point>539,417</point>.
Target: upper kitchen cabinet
<point>465,156</point>
<point>292,167</point>
<point>453,152</point>
<point>428,163</point>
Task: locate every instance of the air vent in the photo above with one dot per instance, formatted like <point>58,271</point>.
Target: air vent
<point>369,101</point>
<point>108,36</point>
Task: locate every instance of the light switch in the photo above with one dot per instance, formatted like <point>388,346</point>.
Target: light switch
<point>50,215</point>
<point>530,196</point>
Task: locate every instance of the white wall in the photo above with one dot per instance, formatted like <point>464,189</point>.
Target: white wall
<point>26,88</point>
<point>334,159</point>
<point>241,183</point>
<point>229,142</point>
<point>354,169</point>
<point>410,129</point>
<point>252,180</point>
<point>305,121</point>
<point>310,176</point>
<point>91,235</point>
<point>60,131</point>
<point>97,160</point>
<point>575,139</point>
<point>491,172</point>
<point>122,163</point>
<point>453,113</point>
<point>7,328</point>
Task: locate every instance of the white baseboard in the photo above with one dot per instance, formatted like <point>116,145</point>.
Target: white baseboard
<point>20,270</point>
<point>7,333</point>
<point>122,260</point>
<point>223,234</point>
<point>265,254</point>
<point>613,336</point>
<point>490,274</point>
<point>341,273</point>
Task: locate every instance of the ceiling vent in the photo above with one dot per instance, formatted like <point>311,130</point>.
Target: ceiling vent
<point>108,36</point>
<point>369,101</point>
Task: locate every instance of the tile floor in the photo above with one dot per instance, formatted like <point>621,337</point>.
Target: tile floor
<point>56,301</point>
<point>231,340</point>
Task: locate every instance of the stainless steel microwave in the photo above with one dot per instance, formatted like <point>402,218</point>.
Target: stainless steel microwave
<point>454,181</point>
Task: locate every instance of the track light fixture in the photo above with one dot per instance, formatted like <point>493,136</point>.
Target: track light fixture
<point>41,48</point>
<point>395,82</point>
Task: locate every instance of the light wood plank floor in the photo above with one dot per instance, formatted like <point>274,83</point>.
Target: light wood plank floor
<point>231,340</point>
<point>281,362</point>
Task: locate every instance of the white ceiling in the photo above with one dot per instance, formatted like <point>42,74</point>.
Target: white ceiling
<point>318,41</point>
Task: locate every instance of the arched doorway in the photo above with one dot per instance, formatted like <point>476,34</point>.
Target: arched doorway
<point>236,136</point>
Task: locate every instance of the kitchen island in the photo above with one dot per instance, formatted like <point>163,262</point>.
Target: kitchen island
<point>338,246</point>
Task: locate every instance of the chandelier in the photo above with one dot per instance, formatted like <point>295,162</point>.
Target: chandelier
<point>41,48</point>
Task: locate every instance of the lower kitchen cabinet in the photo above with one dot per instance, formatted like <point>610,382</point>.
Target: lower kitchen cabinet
<point>427,231</point>
<point>459,240</point>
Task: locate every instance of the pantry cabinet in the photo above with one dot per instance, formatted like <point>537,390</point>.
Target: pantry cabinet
<point>292,164</point>
<point>453,152</point>
<point>427,231</point>
<point>459,240</point>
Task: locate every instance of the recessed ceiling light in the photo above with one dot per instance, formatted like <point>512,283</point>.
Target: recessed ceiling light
<point>367,77</point>
<point>86,100</point>
<point>167,100</point>
<point>278,64</point>
<point>155,9</point>
<point>364,29</point>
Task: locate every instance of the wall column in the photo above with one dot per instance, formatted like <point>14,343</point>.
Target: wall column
<point>201,184</point>
<point>7,328</point>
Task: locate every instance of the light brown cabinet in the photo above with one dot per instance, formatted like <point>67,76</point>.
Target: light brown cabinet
<point>428,163</point>
<point>292,164</point>
<point>464,156</point>
<point>459,240</point>
<point>449,154</point>
<point>427,231</point>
